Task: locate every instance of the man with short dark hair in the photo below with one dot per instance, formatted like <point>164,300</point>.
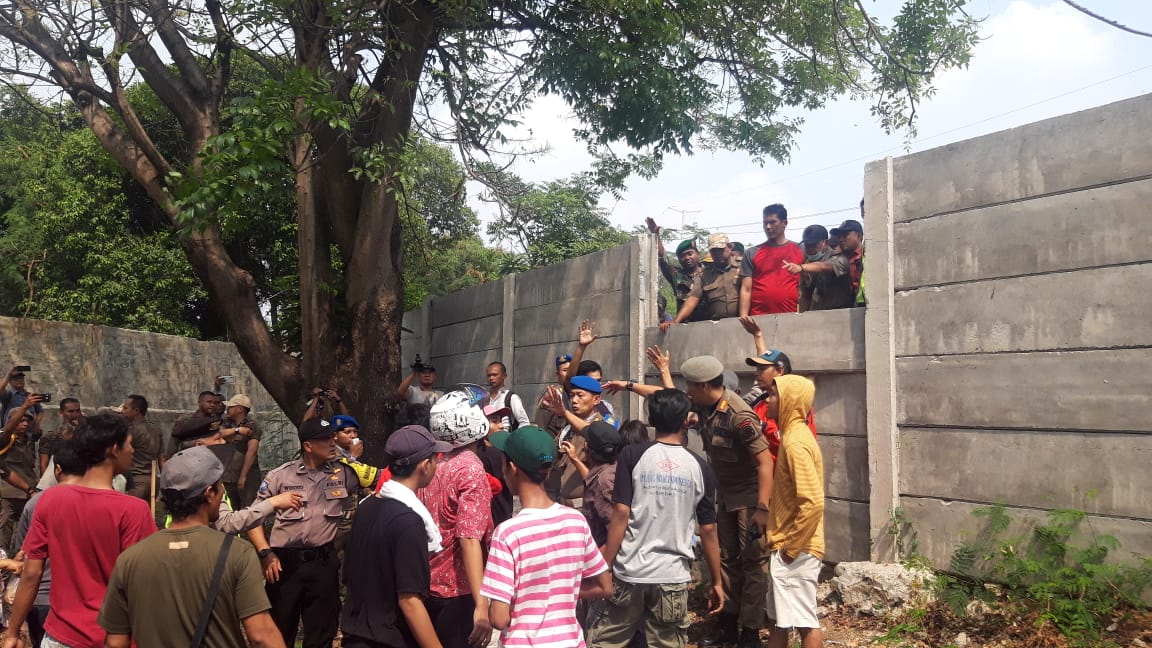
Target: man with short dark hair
<point>715,292</point>
<point>502,396</point>
<point>767,286</point>
<point>843,271</point>
<point>300,560</point>
<point>206,406</point>
<point>70,416</point>
<point>662,494</point>
<point>83,528</point>
<point>386,570</point>
<point>545,418</point>
<point>819,291</point>
<point>148,457</point>
<point>160,585</point>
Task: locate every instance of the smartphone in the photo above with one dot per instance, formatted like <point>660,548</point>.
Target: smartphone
<point>45,398</point>
<point>23,367</point>
<point>228,380</point>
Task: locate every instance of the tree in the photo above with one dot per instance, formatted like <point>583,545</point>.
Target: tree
<point>350,81</point>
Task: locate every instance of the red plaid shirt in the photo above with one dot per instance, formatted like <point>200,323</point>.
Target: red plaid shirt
<point>460,500</point>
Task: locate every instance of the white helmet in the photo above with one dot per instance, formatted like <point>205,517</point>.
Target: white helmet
<point>456,417</point>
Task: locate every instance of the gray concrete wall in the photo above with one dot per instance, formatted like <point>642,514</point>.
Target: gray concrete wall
<point>525,320</point>
<point>1021,333</point>
<point>827,346</point>
<point>101,365</point>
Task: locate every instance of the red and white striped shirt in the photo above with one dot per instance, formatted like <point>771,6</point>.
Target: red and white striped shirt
<point>535,565</point>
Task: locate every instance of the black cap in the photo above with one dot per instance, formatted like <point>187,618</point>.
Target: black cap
<point>603,439</point>
<point>814,234</point>
<point>848,226</point>
<point>316,428</point>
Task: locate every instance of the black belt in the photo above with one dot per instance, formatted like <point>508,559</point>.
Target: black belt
<point>303,554</point>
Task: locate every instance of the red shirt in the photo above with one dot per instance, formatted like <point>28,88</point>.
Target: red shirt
<point>83,530</point>
<point>774,289</point>
<point>772,431</point>
<point>460,501</point>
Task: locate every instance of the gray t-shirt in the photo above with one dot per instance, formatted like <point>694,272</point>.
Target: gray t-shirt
<point>670,490</point>
<point>18,540</point>
<point>417,396</point>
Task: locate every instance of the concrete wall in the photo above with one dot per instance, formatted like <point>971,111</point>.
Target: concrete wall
<point>101,365</point>
<point>525,320</point>
<point>1020,325</point>
<point>827,346</point>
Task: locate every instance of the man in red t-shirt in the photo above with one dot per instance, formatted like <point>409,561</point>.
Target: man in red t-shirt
<point>766,285</point>
<point>83,528</point>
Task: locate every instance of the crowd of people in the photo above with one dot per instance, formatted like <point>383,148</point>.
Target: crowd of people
<point>824,271</point>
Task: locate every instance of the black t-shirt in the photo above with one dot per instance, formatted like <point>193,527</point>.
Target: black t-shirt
<point>493,461</point>
<point>386,555</point>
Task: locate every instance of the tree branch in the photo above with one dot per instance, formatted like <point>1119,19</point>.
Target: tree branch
<point>1117,25</point>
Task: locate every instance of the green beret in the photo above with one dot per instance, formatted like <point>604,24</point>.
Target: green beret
<point>689,244</point>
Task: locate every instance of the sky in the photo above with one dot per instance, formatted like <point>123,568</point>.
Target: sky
<point>1038,59</point>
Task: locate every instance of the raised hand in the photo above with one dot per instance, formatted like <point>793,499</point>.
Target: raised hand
<point>661,360</point>
<point>587,332</point>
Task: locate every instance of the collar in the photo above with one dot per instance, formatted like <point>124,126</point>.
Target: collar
<point>329,467</point>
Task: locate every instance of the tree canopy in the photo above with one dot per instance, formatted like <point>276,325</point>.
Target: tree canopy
<point>346,84</point>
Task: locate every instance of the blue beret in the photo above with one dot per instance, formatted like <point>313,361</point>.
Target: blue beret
<point>587,383</point>
<point>342,421</point>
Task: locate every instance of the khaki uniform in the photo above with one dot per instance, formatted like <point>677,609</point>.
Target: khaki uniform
<point>235,463</point>
<point>147,446</point>
<point>718,291</point>
<point>305,542</point>
<point>21,458</point>
<point>733,436</point>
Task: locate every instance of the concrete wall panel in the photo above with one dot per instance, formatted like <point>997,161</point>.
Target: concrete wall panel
<point>1077,390</point>
<point>600,272</point>
<point>1068,310</point>
<point>536,364</point>
<point>481,334</point>
<point>1069,152</point>
<point>986,466</point>
<point>940,526</point>
<point>464,367</point>
<point>840,407</point>
<point>1095,228</point>
<point>818,341</point>
<point>845,467</point>
<point>560,321</point>
<point>471,303</point>
<point>845,531</point>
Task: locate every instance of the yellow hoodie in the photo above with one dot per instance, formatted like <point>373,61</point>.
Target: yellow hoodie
<point>796,512</point>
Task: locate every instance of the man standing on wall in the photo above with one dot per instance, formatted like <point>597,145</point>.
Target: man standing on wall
<point>767,286</point>
<point>501,396</point>
<point>844,270</point>
<point>680,277</point>
<point>715,292</point>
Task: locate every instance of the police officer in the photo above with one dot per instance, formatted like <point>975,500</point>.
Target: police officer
<point>715,292</point>
<point>734,440</point>
<point>300,563</point>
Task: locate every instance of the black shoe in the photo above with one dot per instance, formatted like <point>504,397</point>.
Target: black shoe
<point>749,638</point>
<point>726,632</point>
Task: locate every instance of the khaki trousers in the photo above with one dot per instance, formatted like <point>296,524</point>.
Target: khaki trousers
<point>744,560</point>
<point>662,608</point>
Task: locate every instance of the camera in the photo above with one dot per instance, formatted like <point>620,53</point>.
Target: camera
<point>23,367</point>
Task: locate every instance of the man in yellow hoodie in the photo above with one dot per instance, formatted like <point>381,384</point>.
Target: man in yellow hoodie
<point>795,516</point>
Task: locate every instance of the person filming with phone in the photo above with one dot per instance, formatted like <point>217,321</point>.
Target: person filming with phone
<point>13,394</point>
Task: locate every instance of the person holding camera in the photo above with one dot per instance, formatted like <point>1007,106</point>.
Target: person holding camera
<point>422,393</point>
<point>13,394</point>
<point>325,404</point>
<point>20,463</point>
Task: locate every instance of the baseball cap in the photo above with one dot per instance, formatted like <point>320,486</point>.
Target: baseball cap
<point>412,444</point>
<point>770,357</point>
<point>814,234</point>
<point>492,411</point>
<point>341,421</point>
<point>561,359</point>
<point>849,225</point>
<point>689,244</point>
<point>529,447</point>
<point>191,471</point>
<point>701,369</point>
<point>603,439</point>
<point>241,400</point>
<point>427,366</point>
<point>197,427</point>
<point>316,428</point>
<point>587,383</point>
<point>717,241</point>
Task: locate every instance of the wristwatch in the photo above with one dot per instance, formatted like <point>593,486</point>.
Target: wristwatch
<point>630,385</point>
<point>264,553</point>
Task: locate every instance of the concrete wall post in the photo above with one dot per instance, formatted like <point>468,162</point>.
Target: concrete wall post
<point>508,327</point>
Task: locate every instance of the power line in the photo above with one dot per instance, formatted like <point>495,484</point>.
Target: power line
<point>872,156</point>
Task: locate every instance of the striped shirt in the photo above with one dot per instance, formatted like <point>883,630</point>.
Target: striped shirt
<point>536,563</point>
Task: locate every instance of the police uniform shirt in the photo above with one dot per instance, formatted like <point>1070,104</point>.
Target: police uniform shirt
<point>718,291</point>
<point>733,435</point>
<point>328,497</point>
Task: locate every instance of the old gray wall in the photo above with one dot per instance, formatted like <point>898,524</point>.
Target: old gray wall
<point>525,320</point>
<point>1018,311</point>
<point>101,365</point>
<point>828,347</point>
